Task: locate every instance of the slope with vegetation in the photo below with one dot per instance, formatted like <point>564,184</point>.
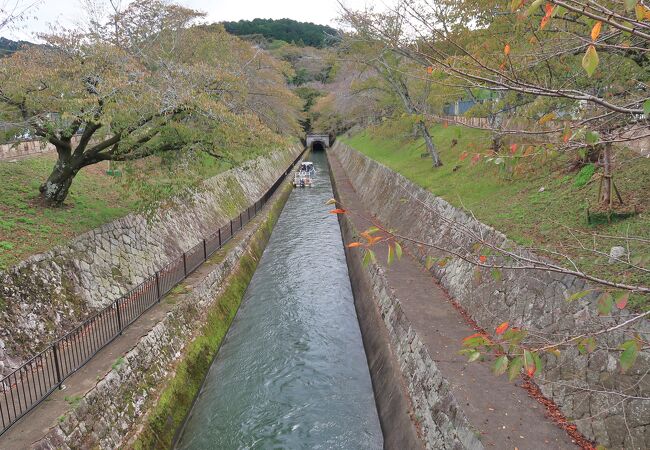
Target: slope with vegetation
<point>535,200</point>
<point>288,30</point>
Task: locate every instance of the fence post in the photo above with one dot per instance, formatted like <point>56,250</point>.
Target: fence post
<point>119,316</point>
<point>158,285</point>
<point>184,264</point>
<point>205,251</point>
<point>57,365</point>
<point>241,224</point>
<point>219,232</point>
<point>230,227</point>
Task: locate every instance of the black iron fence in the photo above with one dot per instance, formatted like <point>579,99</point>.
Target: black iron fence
<point>30,384</point>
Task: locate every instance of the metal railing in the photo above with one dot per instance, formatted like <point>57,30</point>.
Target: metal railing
<point>23,389</point>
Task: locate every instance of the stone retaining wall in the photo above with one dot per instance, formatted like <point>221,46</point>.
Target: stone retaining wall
<point>415,404</point>
<point>46,295</point>
<point>22,149</point>
<point>534,300</point>
<point>108,414</point>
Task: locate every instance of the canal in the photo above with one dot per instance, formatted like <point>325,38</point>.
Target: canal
<point>292,371</point>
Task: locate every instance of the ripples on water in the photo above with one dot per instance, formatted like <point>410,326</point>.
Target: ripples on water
<point>292,371</point>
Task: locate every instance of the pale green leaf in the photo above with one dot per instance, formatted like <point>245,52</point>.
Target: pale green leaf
<point>500,365</point>
<point>590,60</point>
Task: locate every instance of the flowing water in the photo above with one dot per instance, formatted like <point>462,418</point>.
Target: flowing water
<point>292,371</point>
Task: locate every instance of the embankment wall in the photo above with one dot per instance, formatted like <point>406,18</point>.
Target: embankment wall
<point>605,404</point>
<point>46,295</point>
<point>415,405</point>
<point>143,400</point>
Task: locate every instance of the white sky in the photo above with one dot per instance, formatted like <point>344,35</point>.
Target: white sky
<point>317,11</point>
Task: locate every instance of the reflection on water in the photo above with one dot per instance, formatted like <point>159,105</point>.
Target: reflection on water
<point>292,371</point>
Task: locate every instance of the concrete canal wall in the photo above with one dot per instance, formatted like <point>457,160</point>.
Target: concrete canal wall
<point>590,390</point>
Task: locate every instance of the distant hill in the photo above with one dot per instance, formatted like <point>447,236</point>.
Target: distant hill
<point>300,33</point>
<point>7,46</point>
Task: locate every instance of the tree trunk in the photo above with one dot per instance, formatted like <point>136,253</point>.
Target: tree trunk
<point>431,147</point>
<point>606,186</point>
<point>55,189</point>
<point>496,121</point>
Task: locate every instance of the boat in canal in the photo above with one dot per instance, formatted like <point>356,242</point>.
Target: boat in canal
<point>305,175</point>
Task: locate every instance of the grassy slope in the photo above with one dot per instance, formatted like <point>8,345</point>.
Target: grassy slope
<point>513,203</point>
<point>26,227</point>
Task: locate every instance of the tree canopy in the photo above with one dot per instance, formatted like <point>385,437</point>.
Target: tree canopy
<point>302,33</point>
<point>144,81</point>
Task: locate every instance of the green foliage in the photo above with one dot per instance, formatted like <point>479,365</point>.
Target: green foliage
<point>584,175</point>
<point>118,363</point>
<point>73,400</point>
<point>300,33</point>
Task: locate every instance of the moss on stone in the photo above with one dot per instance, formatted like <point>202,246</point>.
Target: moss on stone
<point>165,418</point>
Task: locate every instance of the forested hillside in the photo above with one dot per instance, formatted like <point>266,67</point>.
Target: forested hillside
<point>8,46</point>
<point>300,33</point>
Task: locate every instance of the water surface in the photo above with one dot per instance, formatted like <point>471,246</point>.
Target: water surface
<point>292,371</point>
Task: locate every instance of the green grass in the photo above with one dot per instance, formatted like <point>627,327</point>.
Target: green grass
<point>26,227</point>
<point>513,202</point>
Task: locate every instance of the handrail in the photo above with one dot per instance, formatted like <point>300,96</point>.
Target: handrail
<point>27,386</point>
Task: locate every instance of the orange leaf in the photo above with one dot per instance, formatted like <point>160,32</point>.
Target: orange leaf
<point>502,66</point>
<point>354,244</point>
<point>506,49</point>
<point>463,156</point>
<point>337,211</point>
<point>513,148</point>
<point>549,11</point>
<point>482,258</point>
<point>548,8</point>
<point>473,336</point>
<point>476,158</point>
<point>445,124</point>
<point>429,70</point>
<point>595,31</point>
<point>531,371</point>
<point>502,328</point>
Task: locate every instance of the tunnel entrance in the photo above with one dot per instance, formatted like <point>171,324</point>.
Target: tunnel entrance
<point>318,142</point>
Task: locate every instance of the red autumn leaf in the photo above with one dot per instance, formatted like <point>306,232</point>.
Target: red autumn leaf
<point>621,302</point>
<point>502,328</point>
<point>354,244</point>
<point>482,258</point>
<point>463,156</point>
<point>506,49</point>
<point>337,211</point>
<point>513,148</point>
<point>476,158</point>
<point>548,8</point>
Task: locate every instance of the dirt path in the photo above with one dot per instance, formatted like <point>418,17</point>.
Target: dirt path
<point>502,412</point>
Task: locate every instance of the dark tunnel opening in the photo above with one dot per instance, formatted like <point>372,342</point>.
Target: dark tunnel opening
<point>317,146</point>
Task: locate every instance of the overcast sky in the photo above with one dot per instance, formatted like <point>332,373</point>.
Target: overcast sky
<point>317,11</point>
